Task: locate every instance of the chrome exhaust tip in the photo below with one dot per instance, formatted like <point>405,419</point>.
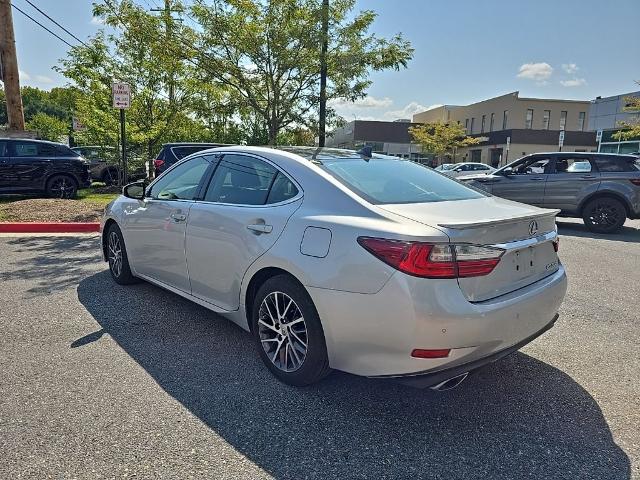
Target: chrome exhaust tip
<point>450,383</point>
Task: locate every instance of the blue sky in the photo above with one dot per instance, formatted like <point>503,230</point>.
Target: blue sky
<point>465,51</point>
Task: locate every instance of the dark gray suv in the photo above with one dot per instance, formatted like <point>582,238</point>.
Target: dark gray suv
<point>601,188</point>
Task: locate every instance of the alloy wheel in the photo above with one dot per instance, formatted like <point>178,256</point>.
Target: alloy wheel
<point>605,215</point>
<point>282,331</point>
<point>115,254</point>
<point>62,188</point>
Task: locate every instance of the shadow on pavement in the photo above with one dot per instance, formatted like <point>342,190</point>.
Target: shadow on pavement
<point>515,419</point>
<point>628,233</point>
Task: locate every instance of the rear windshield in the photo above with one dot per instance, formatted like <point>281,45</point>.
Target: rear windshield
<point>389,180</point>
<point>181,152</point>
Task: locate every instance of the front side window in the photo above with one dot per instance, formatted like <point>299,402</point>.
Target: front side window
<point>241,180</point>
<point>529,119</point>
<point>572,165</point>
<point>389,180</point>
<point>182,182</point>
<point>531,166</point>
<point>563,120</point>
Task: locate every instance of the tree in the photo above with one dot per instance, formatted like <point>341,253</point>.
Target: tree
<point>630,130</point>
<point>48,127</point>
<point>269,54</point>
<point>441,138</point>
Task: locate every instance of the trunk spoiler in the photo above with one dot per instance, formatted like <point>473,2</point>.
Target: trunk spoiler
<point>500,221</point>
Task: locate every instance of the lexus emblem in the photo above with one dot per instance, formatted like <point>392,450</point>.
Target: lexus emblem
<point>533,227</point>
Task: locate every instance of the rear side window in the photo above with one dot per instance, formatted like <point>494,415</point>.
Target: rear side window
<point>617,164</point>
<point>241,180</point>
<point>572,165</point>
<point>181,152</point>
<point>25,149</point>
<point>388,180</point>
<point>282,189</point>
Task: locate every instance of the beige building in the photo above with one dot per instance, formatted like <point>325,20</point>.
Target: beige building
<point>511,127</point>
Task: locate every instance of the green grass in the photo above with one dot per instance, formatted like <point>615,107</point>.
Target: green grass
<point>87,195</point>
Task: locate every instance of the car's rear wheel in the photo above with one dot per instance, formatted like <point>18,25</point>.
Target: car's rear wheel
<point>117,257</point>
<point>288,332</point>
<point>62,186</point>
<point>604,215</point>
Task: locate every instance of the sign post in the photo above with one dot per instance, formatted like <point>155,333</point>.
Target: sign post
<point>121,93</point>
<point>599,138</point>
<point>561,140</point>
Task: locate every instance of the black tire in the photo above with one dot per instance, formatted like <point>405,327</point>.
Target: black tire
<point>109,176</point>
<point>120,270</point>
<point>62,186</point>
<point>604,215</point>
<point>314,365</point>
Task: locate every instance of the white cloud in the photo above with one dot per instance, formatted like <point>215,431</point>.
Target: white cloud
<point>366,102</point>
<point>96,21</point>
<point>408,111</point>
<point>574,82</point>
<point>570,68</point>
<point>540,72</point>
<point>43,79</point>
<point>24,76</point>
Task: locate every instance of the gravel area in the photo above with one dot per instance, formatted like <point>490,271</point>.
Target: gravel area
<point>99,380</point>
<point>51,210</point>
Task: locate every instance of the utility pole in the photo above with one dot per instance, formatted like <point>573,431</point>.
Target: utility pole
<point>9,63</point>
<point>322,124</point>
<point>168,25</point>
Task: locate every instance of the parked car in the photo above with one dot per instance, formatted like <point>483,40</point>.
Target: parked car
<point>35,166</point>
<point>170,153</point>
<point>467,168</point>
<point>103,162</point>
<point>602,188</point>
<point>444,167</point>
<point>376,266</point>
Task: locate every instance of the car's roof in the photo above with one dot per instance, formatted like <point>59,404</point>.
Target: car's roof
<point>586,154</point>
<point>33,140</point>
<point>320,154</point>
<point>195,144</point>
<point>94,146</point>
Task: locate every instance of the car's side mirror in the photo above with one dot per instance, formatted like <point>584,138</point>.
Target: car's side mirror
<point>507,171</point>
<point>134,190</point>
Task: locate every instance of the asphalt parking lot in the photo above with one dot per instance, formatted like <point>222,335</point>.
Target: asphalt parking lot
<point>103,381</point>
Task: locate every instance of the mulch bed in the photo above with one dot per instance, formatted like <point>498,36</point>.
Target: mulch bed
<point>51,210</point>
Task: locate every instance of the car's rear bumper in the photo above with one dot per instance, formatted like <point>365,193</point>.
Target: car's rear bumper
<point>374,334</point>
<point>431,378</point>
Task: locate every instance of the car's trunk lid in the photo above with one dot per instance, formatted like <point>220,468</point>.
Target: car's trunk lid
<point>525,233</point>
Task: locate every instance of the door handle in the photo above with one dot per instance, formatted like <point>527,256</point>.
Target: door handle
<point>178,217</point>
<point>260,228</point>
<point>537,179</point>
<point>588,177</point>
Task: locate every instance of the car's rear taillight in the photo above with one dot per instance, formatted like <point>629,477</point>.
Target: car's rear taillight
<point>157,163</point>
<point>429,260</point>
<point>635,181</point>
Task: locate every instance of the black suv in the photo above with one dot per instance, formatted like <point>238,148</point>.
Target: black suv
<point>170,153</point>
<point>34,166</point>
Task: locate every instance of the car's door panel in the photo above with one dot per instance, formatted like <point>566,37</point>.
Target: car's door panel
<point>224,240</point>
<point>237,222</point>
<point>155,227</point>
<point>5,165</point>
<point>572,179</point>
<point>527,183</point>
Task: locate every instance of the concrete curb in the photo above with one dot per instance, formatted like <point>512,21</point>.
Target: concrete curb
<point>49,227</point>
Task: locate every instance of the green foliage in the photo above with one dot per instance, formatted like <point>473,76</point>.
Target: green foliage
<point>441,138</point>
<point>268,54</point>
<point>630,130</point>
<point>48,127</point>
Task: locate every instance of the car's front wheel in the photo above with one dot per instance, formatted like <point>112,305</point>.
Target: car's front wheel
<point>62,186</point>
<point>288,332</point>
<point>117,257</point>
<point>604,215</point>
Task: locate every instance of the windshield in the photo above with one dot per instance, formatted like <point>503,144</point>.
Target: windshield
<point>389,180</point>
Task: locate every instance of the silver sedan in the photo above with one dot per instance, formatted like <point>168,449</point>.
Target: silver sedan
<point>335,259</point>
